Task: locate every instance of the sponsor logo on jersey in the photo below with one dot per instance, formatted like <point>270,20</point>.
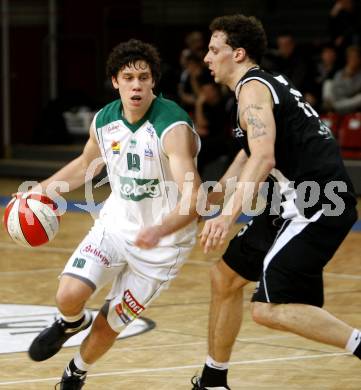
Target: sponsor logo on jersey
<point>20,324</point>
<point>238,133</point>
<point>245,228</point>
<point>325,131</point>
<point>99,255</point>
<point>148,153</point>
<point>116,147</point>
<point>150,130</point>
<point>130,303</point>
<point>121,314</point>
<point>112,128</point>
<point>133,143</point>
<point>138,189</point>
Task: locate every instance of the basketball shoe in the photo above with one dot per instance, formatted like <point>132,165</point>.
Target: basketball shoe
<point>51,339</point>
<point>72,379</point>
<point>196,382</point>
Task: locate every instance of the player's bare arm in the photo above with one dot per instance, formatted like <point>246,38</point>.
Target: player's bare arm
<point>180,145</point>
<point>233,173</point>
<point>256,117</point>
<point>74,173</point>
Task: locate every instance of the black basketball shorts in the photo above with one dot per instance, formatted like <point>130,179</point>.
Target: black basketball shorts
<point>286,257</point>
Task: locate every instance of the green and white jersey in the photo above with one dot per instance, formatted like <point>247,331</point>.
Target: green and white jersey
<point>143,189</point>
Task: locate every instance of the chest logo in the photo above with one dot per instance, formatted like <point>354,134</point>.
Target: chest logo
<point>150,131</point>
<point>112,128</point>
<point>116,147</point>
<point>148,153</point>
<point>138,189</point>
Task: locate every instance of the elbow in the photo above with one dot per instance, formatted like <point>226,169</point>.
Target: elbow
<point>267,161</point>
<point>270,162</point>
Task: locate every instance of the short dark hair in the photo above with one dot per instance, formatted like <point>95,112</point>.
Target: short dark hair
<point>128,53</point>
<point>242,31</point>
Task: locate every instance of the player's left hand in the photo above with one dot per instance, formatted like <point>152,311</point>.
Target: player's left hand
<point>148,237</point>
<point>215,232</point>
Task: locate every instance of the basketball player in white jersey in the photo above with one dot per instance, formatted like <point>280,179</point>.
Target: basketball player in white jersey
<point>141,239</point>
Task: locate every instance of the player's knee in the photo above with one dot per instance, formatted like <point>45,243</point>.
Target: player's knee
<point>267,314</point>
<point>70,300</point>
<point>67,300</point>
<point>225,281</point>
<point>262,313</point>
<point>72,295</point>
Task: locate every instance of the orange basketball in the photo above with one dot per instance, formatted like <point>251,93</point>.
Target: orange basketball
<point>31,219</point>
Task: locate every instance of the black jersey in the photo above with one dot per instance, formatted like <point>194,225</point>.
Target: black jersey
<point>306,153</point>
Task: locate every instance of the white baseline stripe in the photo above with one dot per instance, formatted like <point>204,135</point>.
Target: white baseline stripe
<point>163,369</point>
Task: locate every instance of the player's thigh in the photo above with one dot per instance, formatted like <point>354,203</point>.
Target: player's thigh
<point>294,265</point>
<point>72,289</point>
<point>97,259</point>
<point>148,273</point>
<point>247,250</point>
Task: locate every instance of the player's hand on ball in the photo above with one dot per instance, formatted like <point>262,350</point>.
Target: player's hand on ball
<point>214,232</point>
<point>148,237</point>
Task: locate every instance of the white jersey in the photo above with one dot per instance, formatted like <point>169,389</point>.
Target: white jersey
<point>143,189</point>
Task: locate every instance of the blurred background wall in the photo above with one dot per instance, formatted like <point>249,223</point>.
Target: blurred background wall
<point>85,31</point>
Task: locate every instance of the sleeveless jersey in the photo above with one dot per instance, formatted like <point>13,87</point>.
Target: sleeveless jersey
<point>305,149</point>
<point>143,189</point>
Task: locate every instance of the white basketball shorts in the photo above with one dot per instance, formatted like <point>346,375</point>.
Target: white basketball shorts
<point>138,275</point>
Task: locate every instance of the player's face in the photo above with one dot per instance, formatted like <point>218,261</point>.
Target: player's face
<point>219,57</point>
<point>135,84</point>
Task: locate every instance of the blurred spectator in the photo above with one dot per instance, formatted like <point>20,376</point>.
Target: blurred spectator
<point>343,93</point>
<point>327,64</point>
<point>212,123</point>
<point>194,46</point>
<point>344,24</point>
<point>325,68</point>
<point>289,60</point>
<point>189,84</point>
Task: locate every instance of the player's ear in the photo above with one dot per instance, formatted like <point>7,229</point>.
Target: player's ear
<point>239,54</point>
<point>115,82</point>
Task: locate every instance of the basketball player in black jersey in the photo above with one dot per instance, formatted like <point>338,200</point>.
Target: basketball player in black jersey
<point>284,249</point>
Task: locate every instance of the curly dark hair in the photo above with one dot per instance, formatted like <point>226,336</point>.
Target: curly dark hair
<point>128,53</point>
<point>243,31</point>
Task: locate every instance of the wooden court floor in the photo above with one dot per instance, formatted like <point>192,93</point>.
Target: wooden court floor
<point>166,357</point>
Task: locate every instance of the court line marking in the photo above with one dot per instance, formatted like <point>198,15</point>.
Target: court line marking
<point>9,245</point>
<point>175,368</point>
<point>30,271</point>
<point>4,357</point>
<point>342,276</point>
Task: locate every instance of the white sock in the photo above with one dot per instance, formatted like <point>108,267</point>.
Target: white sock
<point>80,363</point>
<point>73,318</point>
<point>354,341</point>
<point>210,362</point>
